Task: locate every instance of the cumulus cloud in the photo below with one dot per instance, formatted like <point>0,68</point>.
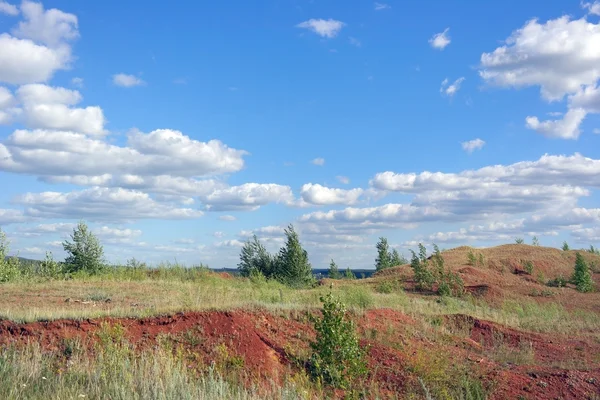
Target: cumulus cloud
<point>318,161</point>
<point>592,8</point>
<point>52,27</point>
<point>249,196</point>
<point>321,195</point>
<point>125,80</point>
<point>101,204</point>
<point>8,9</point>
<point>565,128</point>
<point>146,158</point>
<point>49,107</point>
<point>23,61</point>
<point>450,90</point>
<point>472,145</point>
<point>325,28</point>
<point>8,216</point>
<point>440,40</point>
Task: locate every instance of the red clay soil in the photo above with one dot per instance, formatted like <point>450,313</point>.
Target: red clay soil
<point>268,344</point>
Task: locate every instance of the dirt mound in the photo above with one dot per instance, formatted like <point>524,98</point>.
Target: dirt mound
<point>266,346</point>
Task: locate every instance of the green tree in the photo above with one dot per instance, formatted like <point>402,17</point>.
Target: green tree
<point>396,259</point>
<point>85,253</point>
<point>384,258</point>
<point>594,250</point>
<point>337,358</point>
<point>255,259</point>
<point>471,258</point>
<point>582,277</point>
<point>535,241</point>
<point>565,246</point>
<point>9,266</point>
<point>334,272</point>
<point>293,267</point>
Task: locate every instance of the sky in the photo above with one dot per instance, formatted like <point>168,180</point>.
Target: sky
<point>177,132</point>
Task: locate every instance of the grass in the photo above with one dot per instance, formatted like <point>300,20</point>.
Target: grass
<point>27,301</point>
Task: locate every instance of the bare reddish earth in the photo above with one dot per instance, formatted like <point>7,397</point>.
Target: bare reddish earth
<point>269,343</point>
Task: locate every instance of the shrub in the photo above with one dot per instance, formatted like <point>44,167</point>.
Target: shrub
<point>385,287</point>
<point>337,358</point>
<point>9,266</point>
<point>535,241</point>
<point>481,260</point>
<point>582,278</point>
<point>426,275</point>
<point>50,268</point>
<point>349,274</point>
<point>565,246</point>
<point>558,282</point>
<point>528,266</point>
<point>519,241</point>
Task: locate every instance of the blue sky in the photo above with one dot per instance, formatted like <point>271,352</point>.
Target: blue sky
<point>177,132</point>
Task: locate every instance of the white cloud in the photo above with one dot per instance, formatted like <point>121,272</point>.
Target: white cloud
<point>51,27</point>
<point>450,90</point>
<point>597,131</point>
<point>381,6</point>
<point>144,161</point>
<point>472,145</point>
<point>566,128</point>
<point>548,170</point>
<point>219,234</point>
<point>343,179</point>
<point>6,98</point>
<point>8,216</point>
<point>101,204</point>
<point>23,61</point>
<point>559,55</point>
<point>45,229</point>
<point>321,195</point>
<point>8,9</point>
<point>325,28</point>
<point>48,107</point>
<point>227,218</point>
<point>440,40</point>
<point>592,8</point>
<point>77,82</point>
<point>249,196</point>
<point>125,80</point>
<point>318,161</point>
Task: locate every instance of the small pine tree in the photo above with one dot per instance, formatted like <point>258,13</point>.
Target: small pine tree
<point>334,272</point>
<point>481,260</point>
<point>348,274</point>
<point>424,278</point>
<point>565,246</point>
<point>471,259</point>
<point>337,358</point>
<point>519,241</point>
<point>255,259</point>
<point>535,241</point>
<point>383,259</point>
<point>292,266</point>
<point>582,278</point>
<point>594,250</point>
<point>396,259</point>
<point>84,252</point>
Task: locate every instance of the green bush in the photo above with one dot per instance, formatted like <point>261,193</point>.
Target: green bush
<point>528,266</point>
<point>471,259</point>
<point>431,272</point>
<point>9,266</point>
<point>337,357</point>
<point>558,282</point>
<point>85,253</point>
